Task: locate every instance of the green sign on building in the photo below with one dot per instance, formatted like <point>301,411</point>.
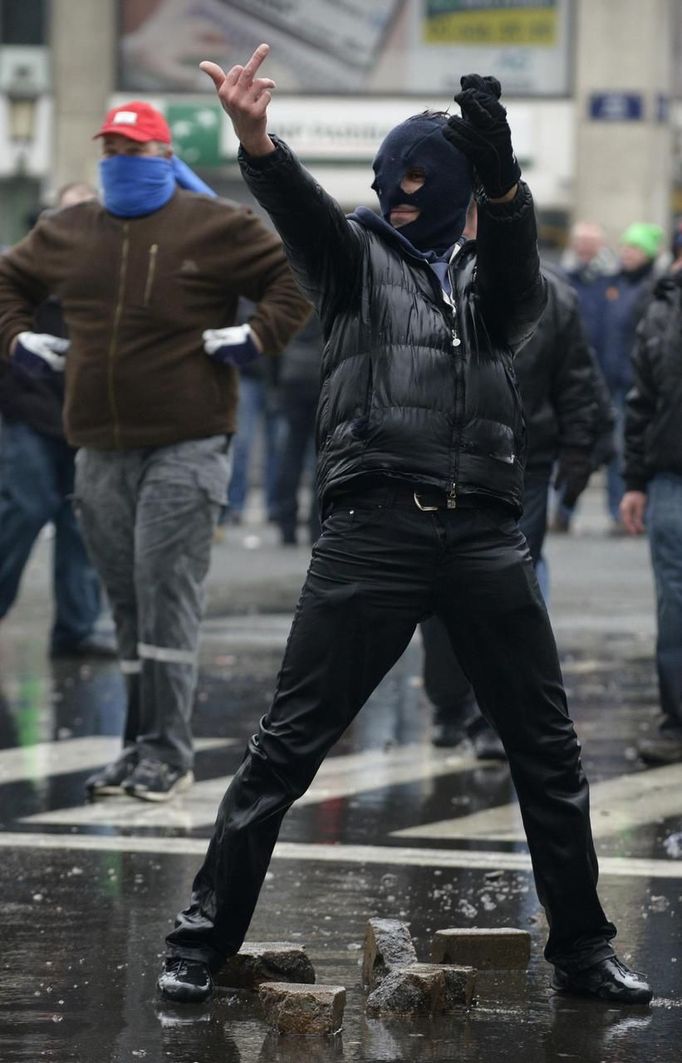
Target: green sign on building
<point>195,128</point>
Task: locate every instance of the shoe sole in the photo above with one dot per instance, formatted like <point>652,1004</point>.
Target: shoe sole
<point>180,787</point>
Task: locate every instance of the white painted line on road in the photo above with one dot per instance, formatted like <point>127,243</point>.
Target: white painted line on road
<point>339,777</point>
<point>616,866</point>
<point>35,763</point>
<point>618,805</point>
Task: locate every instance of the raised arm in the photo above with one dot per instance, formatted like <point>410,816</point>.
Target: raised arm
<point>322,247</point>
<point>508,280</point>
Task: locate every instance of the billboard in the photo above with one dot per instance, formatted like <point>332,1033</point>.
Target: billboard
<point>384,47</point>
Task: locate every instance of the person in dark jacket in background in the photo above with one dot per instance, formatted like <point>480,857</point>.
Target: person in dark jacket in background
<point>652,472</point>
<point>299,391</point>
<point>36,486</point>
<point>420,469</point>
<point>562,394</point>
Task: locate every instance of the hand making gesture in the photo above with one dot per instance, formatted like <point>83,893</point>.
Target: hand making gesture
<point>245,98</point>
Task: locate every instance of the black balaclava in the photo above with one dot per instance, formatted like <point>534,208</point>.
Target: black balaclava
<point>445,194</point>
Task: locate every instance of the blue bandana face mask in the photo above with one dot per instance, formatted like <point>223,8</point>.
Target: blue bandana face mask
<point>418,143</point>
<point>134,185</point>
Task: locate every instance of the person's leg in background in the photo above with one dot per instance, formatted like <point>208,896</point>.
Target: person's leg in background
<point>615,486</point>
<point>298,429</point>
<point>29,499</point>
<point>76,583</point>
<point>178,500</point>
<point>105,503</point>
<point>250,416</point>
<point>664,523</point>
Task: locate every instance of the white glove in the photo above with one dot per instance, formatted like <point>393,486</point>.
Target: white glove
<point>39,353</point>
<point>234,345</point>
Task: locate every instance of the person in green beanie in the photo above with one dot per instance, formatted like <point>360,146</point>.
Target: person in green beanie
<point>625,298</point>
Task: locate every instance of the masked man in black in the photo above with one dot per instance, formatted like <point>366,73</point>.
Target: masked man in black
<point>420,473</point>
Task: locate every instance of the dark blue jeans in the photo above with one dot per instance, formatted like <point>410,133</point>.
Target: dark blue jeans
<point>255,410</point>
<point>664,521</point>
<point>36,484</point>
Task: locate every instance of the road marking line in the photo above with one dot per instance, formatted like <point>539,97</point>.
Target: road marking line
<point>339,777</point>
<point>616,866</point>
<point>34,763</point>
<point>617,805</point>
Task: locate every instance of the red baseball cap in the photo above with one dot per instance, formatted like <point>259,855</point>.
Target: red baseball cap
<point>137,120</point>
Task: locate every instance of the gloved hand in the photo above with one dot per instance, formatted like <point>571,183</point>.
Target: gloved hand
<point>572,475</point>
<point>39,353</point>
<point>483,134</point>
<point>234,345</point>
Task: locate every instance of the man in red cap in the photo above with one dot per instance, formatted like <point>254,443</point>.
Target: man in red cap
<point>149,281</point>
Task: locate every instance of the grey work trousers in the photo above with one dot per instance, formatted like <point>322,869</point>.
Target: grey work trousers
<point>147,516</point>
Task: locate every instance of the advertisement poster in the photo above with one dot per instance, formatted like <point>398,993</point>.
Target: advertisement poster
<point>388,47</point>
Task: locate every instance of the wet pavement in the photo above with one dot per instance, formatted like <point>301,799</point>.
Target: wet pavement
<point>391,827</point>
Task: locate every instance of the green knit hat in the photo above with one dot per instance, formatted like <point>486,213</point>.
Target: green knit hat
<point>645,236</point>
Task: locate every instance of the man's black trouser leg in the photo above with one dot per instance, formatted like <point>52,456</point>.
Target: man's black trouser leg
<point>374,574</point>
<point>357,613</point>
<point>493,608</point>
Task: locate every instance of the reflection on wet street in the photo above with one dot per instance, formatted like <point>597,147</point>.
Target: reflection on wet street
<point>390,827</point>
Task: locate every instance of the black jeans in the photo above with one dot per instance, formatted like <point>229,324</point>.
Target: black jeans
<point>378,569</point>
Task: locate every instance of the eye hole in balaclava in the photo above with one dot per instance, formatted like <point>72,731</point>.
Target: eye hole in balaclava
<point>418,144</point>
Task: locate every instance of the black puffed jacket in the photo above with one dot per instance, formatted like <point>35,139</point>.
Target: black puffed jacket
<point>412,388</point>
<point>563,392</point>
<point>653,419</point>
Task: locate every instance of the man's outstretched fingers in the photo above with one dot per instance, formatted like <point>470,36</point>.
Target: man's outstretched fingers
<point>248,72</point>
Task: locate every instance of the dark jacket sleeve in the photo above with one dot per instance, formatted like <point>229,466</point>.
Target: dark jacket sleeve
<point>259,270</point>
<point>323,249</point>
<point>573,380</point>
<point>509,285</point>
<point>640,409</point>
<point>23,287</point>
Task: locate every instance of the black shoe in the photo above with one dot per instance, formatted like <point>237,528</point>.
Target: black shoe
<point>153,780</point>
<point>666,749</point>
<point>108,781</point>
<point>92,646</point>
<point>185,981</point>
<point>608,980</point>
<point>446,735</point>
<point>487,745</point>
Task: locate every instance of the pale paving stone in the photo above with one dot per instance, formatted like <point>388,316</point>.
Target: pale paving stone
<point>303,1009</point>
<point>501,948</point>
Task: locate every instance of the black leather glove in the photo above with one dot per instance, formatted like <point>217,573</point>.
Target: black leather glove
<point>572,475</point>
<point>483,134</point>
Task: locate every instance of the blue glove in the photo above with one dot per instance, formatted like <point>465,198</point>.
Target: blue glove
<point>231,346</point>
<point>39,354</point>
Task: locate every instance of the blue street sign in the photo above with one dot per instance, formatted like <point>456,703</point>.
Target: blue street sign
<point>616,106</point>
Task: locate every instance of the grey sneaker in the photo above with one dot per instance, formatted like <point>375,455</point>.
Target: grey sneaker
<point>154,780</point>
<point>666,749</point>
<point>109,780</point>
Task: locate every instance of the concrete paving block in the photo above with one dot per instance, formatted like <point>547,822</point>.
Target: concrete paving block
<point>303,1009</point>
<point>458,985</point>
<point>423,989</point>
<point>407,991</point>
<point>266,961</point>
<point>498,949</point>
<point>388,945</point>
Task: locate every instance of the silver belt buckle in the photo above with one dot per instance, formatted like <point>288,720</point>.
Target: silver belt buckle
<point>424,509</point>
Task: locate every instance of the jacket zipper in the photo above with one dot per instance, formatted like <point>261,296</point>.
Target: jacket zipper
<point>451,317</point>
<point>118,311</point>
<point>151,270</point>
